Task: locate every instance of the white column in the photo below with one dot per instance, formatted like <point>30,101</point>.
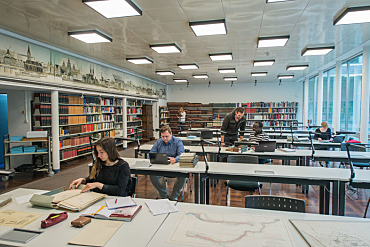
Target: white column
<point>365,96</point>
<point>55,129</point>
<point>305,102</point>
<point>124,121</point>
<point>337,95</point>
<point>319,98</point>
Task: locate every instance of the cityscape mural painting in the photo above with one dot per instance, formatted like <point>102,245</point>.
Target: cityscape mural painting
<point>24,60</point>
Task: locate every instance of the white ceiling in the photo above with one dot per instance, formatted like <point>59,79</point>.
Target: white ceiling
<point>166,21</point>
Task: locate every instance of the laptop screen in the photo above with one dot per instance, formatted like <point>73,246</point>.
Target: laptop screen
<point>158,158</point>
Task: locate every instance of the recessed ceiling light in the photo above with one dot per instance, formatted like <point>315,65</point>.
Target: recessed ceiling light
<point>263,62</point>
<point>352,15</point>
<point>275,1</point>
<point>180,80</point>
<point>90,36</point>
<point>318,50</point>
<point>139,60</point>
<point>272,41</point>
<point>188,66</point>
<point>166,48</point>
<point>114,8</point>
<point>259,73</point>
<point>211,27</point>
<point>230,78</point>
<point>165,72</point>
<point>227,71</point>
<point>285,76</point>
<point>221,56</point>
<point>201,76</point>
<point>297,67</point>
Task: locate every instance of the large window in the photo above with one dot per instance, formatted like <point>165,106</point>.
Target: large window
<point>350,116</point>
<point>328,96</point>
<point>312,100</point>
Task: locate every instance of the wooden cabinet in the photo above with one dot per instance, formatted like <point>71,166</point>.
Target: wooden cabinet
<point>148,122</point>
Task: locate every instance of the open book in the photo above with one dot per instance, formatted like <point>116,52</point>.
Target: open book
<point>102,212</point>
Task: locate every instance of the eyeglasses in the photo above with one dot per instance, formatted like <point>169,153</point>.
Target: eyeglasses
<point>165,136</point>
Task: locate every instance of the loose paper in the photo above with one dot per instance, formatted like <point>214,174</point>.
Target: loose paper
<point>18,219</point>
<point>162,206</point>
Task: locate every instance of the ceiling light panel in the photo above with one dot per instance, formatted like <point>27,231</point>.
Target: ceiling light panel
<point>221,56</point>
<point>165,72</point>
<point>201,76</point>
<point>180,80</point>
<point>140,60</point>
<point>114,8</point>
<point>285,76</point>
<point>316,51</point>
<point>353,15</point>
<point>230,78</point>
<point>272,41</point>
<point>211,27</point>
<point>227,71</point>
<point>259,73</point>
<point>166,48</point>
<point>296,67</point>
<point>90,36</point>
<point>276,1</point>
<point>188,66</point>
<point>263,62</point>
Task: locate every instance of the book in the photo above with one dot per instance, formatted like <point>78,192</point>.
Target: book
<point>120,202</point>
<point>103,212</point>
<point>188,160</point>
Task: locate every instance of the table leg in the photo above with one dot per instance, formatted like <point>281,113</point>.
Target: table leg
<point>321,201</point>
<point>201,192</point>
<point>327,198</point>
<point>342,198</point>
<point>335,198</point>
<point>196,187</point>
<point>136,154</point>
<point>207,191</point>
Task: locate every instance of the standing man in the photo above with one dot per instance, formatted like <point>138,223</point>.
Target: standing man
<point>233,122</point>
<point>173,147</point>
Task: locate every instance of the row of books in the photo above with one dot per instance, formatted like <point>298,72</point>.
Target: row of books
<point>69,130</point>
<point>271,116</point>
<point>132,131</point>
<point>91,109</point>
<point>132,118</point>
<point>275,124</point>
<point>270,104</point>
<point>107,109</point>
<point>74,152</point>
<point>118,118</point>
<point>271,110</point>
<point>134,103</point>
<point>134,111</point>
<point>74,141</point>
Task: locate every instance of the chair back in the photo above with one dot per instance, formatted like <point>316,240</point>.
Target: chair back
<point>243,159</point>
<point>276,203</point>
<point>132,191</point>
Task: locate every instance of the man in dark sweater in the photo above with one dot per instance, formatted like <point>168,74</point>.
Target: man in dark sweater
<point>233,122</point>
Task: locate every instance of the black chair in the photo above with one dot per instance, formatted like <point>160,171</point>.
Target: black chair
<point>132,191</point>
<point>242,185</point>
<point>357,148</point>
<point>276,203</point>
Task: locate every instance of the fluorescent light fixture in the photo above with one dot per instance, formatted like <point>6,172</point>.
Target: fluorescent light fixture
<point>297,67</point>
<point>114,8</point>
<point>314,51</point>
<point>188,66</point>
<point>166,48</point>
<point>227,71</point>
<point>211,27</point>
<point>352,15</point>
<point>221,56</point>
<point>201,76</point>
<point>285,76</point>
<point>180,80</point>
<point>276,1</point>
<point>90,36</point>
<point>230,78</point>
<point>139,60</point>
<point>259,73</point>
<point>272,41</point>
<point>165,72</point>
<point>263,62</point>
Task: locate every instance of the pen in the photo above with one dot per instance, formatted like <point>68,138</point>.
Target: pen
<point>55,216</point>
<point>115,202</point>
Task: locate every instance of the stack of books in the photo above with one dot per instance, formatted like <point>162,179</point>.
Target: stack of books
<point>188,160</point>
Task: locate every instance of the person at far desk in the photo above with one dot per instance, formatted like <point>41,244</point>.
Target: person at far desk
<point>258,136</point>
<point>110,174</point>
<point>173,147</point>
<point>323,133</point>
<point>182,118</point>
<point>233,122</point>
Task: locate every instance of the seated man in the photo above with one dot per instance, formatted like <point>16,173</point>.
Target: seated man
<point>173,146</point>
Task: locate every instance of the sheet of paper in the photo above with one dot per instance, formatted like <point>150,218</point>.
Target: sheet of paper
<point>162,206</point>
<point>142,163</point>
<point>98,211</point>
<point>17,219</point>
<point>65,195</point>
<point>120,202</point>
<point>97,233</point>
<point>26,198</point>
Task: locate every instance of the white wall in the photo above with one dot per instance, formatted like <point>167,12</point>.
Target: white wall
<point>238,93</point>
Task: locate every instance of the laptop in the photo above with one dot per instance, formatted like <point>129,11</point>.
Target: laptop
<point>206,134</point>
<point>338,139</point>
<point>266,146</point>
<point>159,158</point>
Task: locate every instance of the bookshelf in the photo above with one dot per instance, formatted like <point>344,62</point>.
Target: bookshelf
<point>134,119</point>
<point>79,118</point>
<point>163,116</point>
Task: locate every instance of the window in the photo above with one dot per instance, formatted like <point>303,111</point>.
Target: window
<point>328,96</point>
<point>350,115</point>
<point>312,100</point>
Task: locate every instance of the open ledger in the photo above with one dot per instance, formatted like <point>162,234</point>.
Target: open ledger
<point>72,200</point>
<point>103,212</point>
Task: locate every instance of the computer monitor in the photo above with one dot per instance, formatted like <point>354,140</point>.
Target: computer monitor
<point>206,134</point>
<point>158,158</point>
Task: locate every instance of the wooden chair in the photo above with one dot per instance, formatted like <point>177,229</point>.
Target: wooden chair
<point>242,185</point>
<point>276,203</point>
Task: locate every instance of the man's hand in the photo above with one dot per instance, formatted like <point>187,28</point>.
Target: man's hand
<point>223,144</point>
<point>172,160</point>
<point>319,139</point>
<point>91,186</point>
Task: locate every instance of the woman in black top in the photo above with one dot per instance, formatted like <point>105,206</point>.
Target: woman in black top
<point>110,174</point>
<point>323,133</point>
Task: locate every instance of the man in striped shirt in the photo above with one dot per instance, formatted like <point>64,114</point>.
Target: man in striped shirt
<point>258,135</point>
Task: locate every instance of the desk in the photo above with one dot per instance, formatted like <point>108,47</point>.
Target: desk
<point>197,140</point>
<point>60,234</point>
<point>287,143</point>
<point>168,171</point>
<point>165,235</point>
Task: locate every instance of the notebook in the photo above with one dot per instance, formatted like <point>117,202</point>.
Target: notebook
<point>158,158</point>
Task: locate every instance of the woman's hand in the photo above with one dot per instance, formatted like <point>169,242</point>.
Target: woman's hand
<point>91,186</point>
<point>76,183</point>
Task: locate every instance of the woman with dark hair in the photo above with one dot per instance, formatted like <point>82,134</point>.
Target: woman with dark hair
<point>110,174</point>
